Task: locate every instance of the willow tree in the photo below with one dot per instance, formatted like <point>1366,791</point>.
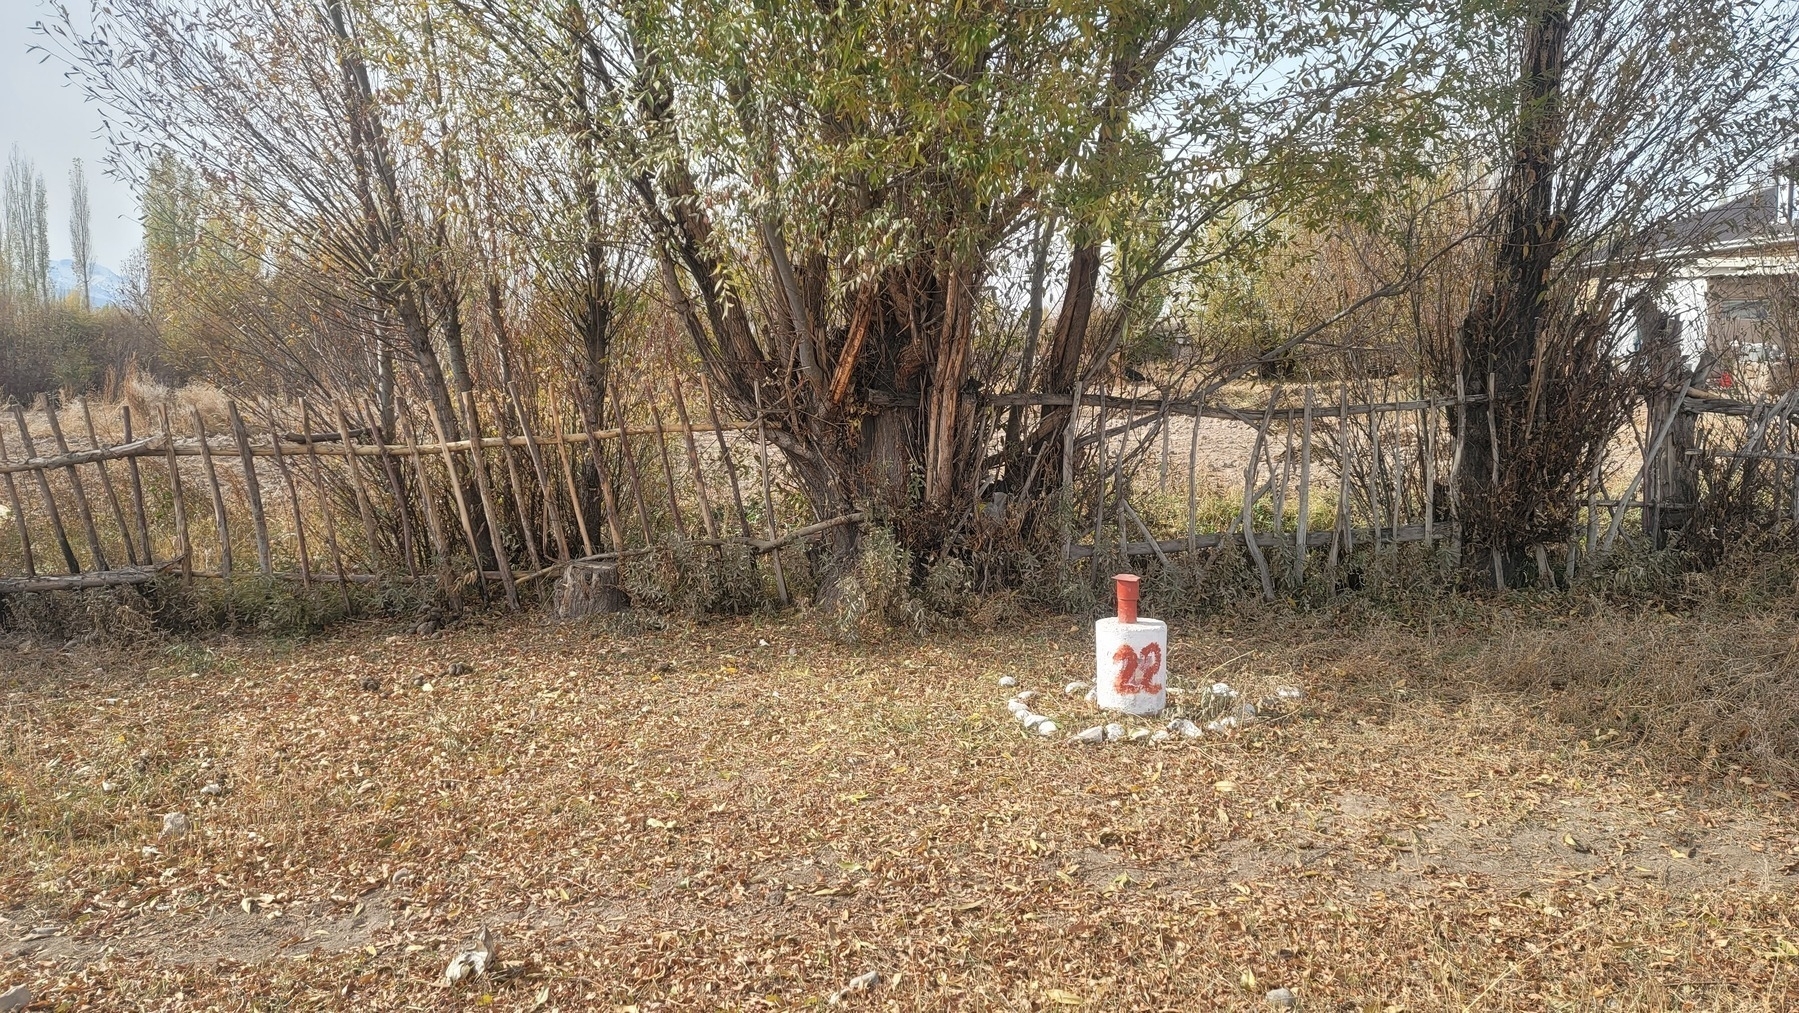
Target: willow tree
<point>826,192</point>
<point>275,109</point>
<point>1617,122</point>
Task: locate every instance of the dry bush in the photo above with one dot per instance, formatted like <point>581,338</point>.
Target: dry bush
<point>681,578</point>
<point>106,617</point>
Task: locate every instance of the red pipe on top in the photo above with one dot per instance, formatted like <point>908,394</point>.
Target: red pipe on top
<point>1125,586</point>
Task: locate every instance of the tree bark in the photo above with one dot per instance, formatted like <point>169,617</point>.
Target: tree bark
<point>1500,336</point>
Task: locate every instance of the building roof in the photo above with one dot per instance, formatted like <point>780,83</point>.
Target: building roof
<point>1757,218</point>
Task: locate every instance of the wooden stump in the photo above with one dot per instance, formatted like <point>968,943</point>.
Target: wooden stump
<point>588,589</point>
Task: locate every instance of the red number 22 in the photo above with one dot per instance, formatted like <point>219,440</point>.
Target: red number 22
<point>1137,672</point>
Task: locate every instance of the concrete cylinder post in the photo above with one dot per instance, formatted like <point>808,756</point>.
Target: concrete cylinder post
<point>1130,656</point>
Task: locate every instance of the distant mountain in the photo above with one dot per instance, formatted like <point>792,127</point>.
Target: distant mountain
<point>104,284</point>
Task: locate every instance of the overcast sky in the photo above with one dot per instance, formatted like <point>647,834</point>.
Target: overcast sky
<point>47,119</point>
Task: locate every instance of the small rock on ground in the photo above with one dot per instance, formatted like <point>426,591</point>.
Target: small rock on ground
<point>1185,728</point>
<point>1283,997</point>
<point>16,997</point>
<point>860,983</point>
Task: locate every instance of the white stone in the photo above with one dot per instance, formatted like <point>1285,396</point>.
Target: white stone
<point>1283,997</point>
<point>1093,696</point>
<point>213,789</point>
<point>860,983</point>
<point>1161,735</point>
<point>1074,689</point>
<point>1007,681</point>
<point>1222,725</point>
<point>174,824</point>
<point>474,962</point>
<point>1018,707</point>
<point>1140,734</point>
<point>1047,728</point>
<point>1289,693</point>
<point>1026,695</point>
<point>1114,732</point>
<point>1029,720</point>
<point>16,997</point>
<point>108,787</point>
<point>1223,689</point>
<point>1085,736</point>
<point>1185,728</point>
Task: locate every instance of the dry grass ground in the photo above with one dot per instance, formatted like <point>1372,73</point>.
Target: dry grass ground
<point>688,819</point>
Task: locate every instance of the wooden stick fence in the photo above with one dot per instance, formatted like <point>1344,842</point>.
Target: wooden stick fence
<point>519,495</point>
<point>328,497</point>
<point>1392,459</point>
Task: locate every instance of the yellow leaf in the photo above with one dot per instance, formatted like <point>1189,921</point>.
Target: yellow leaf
<point>1225,787</point>
<point>1061,998</point>
<point>1248,978</point>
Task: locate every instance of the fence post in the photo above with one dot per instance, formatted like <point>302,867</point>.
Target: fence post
<point>1249,497</point>
<point>768,502</point>
<point>603,475</point>
<point>82,508</point>
<point>18,513</point>
<point>1673,483</point>
<point>112,493</point>
<point>1649,456</point>
<point>293,499</point>
<point>1302,524</point>
<point>724,451</point>
<point>568,479</point>
<point>440,543</point>
<point>395,487</point>
<point>707,521</point>
<point>252,488</point>
<point>137,490</point>
<point>553,514</point>
<point>325,511</point>
<point>527,532</point>
<point>43,487</point>
<point>219,518</point>
<point>478,464</point>
<point>183,548</point>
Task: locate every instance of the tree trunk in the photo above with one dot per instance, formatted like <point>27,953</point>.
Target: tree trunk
<point>1501,334</point>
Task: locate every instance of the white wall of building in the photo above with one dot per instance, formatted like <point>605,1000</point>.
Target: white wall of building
<point>1685,299</point>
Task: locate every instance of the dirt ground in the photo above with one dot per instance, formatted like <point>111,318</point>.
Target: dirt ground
<point>743,815</point>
